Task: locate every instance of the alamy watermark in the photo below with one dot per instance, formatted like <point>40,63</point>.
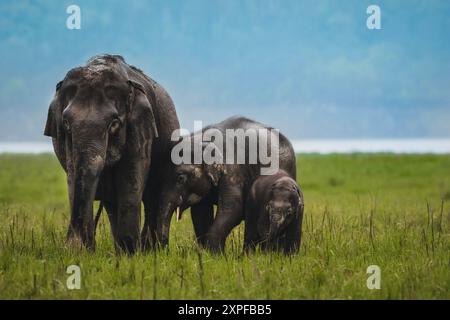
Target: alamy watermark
<point>374,20</point>
<point>74,19</point>
<point>374,280</point>
<point>249,146</point>
<point>74,280</point>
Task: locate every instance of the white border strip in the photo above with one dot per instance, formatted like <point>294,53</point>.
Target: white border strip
<point>438,146</point>
<point>26,147</point>
<point>324,146</point>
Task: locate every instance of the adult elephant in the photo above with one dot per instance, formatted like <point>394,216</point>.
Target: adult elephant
<point>201,186</point>
<point>111,126</point>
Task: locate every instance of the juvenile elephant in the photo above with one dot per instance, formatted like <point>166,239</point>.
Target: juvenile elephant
<point>111,126</point>
<point>274,213</point>
<point>202,185</point>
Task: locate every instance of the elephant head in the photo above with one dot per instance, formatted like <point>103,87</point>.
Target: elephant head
<point>184,186</point>
<point>284,201</point>
<point>97,115</point>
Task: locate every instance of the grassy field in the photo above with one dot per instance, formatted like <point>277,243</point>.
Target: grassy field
<point>387,210</point>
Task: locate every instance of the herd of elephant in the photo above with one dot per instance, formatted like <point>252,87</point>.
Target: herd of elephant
<point>111,127</point>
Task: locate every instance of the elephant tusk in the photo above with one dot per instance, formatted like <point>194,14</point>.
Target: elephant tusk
<point>178,214</point>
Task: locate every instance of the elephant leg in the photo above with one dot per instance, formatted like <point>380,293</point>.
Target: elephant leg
<point>128,223</point>
<point>220,229</point>
<point>111,211</point>
<point>251,236</point>
<point>148,234</point>
<point>130,179</point>
<point>230,213</point>
<point>293,236</point>
<point>202,218</point>
<point>277,244</point>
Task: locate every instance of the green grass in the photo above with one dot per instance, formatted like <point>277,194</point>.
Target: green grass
<point>361,210</point>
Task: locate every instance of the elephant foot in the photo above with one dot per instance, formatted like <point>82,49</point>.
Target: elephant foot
<point>249,247</point>
<point>127,245</point>
<point>161,241</point>
<point>73,240</point>
<point>202,242</point>
<point>147,240</point>
<point>77,239</point>
<point>215,245</point>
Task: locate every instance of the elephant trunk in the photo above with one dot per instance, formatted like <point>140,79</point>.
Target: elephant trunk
<point>163,224</point>
<point>82,189</point>
<point>164,218</point>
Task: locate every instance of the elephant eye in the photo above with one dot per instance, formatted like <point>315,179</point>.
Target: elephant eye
<point>114,126</point>
<point>66,125</point>
<point>181,178</point>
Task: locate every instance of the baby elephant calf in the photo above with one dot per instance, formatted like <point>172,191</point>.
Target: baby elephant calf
<point>274,213</point>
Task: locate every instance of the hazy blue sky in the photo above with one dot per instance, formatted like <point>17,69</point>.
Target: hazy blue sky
<point>310,68</point>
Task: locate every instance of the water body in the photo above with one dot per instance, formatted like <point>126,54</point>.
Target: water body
<point>323,146</point>
<point>437,146</point>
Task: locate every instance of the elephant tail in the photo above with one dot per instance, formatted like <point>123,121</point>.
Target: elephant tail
<point>97,216</point>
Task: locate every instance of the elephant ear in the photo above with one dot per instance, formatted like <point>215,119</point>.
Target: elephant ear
<point>51,126</point>
<point>141,122</point>
<point>54,129</point>
<point>214,166</point>
<point>301,203</point>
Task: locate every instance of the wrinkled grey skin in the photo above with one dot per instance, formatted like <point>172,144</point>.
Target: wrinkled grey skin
<point>274,214</point>
<point>200,186</point>
<point>111,127</point>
